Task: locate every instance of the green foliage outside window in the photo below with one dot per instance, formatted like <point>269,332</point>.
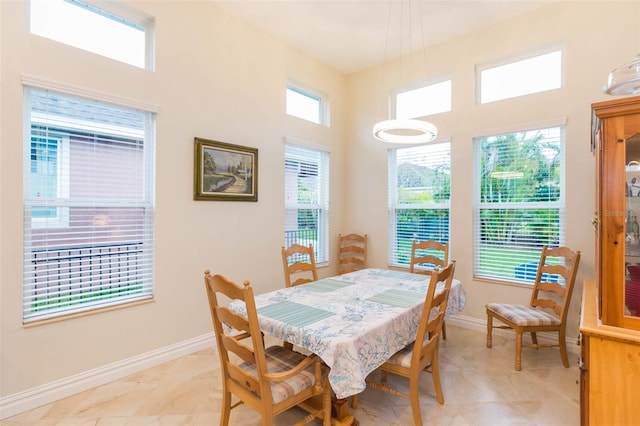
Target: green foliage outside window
<point>521,202</point>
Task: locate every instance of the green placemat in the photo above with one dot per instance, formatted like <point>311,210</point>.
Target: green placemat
<point>398,298</point>
<point>326,285</point>
<point>405,276</point>
<point>294,313</point>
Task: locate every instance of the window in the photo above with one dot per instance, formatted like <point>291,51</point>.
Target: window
<point>419,194</point>
<point>121,34</point>
<point>522,77</point>
<point>519,201</point>
<point>422,101</point>
<point>49,176</point>
<point>306,191</point>
<point>307,103</point>
<point>88,204</point>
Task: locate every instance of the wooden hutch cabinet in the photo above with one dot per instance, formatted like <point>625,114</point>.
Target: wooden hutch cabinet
<point>610,318</point>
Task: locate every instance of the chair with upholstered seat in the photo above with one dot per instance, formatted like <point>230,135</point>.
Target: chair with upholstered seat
<point>425,257</point>
<point>299,263</point>
<point>270,380</point>
<point>549,305</point>
<point>352,253</point>
<point>422,354</point>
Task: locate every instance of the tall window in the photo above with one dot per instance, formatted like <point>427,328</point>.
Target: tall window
<point>307,103</point>
<point>519,201</point>
<point>521,77</point>
<point>120,33</point>
<point>423,100</point>
<point>419,194</point>
<point>306,191</point>
<point>88,204</point>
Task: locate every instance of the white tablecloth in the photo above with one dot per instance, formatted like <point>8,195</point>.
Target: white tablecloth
<point>354,322</point>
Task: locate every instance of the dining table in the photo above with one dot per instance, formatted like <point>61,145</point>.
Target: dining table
<point>354,322</point>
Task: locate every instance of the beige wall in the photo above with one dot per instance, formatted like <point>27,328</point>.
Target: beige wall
<point>220,79</point>
<point>215,78</point>
<point>596,36</point>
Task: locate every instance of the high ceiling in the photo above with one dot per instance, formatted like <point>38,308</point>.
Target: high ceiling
<point>352,35</point>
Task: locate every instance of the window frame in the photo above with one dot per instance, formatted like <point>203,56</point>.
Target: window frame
<point>399,255</point>
<point>393,98</point>
<point>115,11</point>
<point>515,59</point>
<point>37,245</point>
<point>528,252</point>
<point>295,151</point>
<point>307,91</point>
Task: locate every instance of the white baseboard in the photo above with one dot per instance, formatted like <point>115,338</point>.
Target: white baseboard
<point>480,325</point>
<point>51,392</point>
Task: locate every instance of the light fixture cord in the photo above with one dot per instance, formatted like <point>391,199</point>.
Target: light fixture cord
<point>424,44</point>
<point>385,58</point>
<point>402,52</point>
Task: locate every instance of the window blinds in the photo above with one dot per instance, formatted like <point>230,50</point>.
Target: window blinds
<point>307,199</point>
<point>520,201</point>
<point>419,195</point>
<point>88,205</point>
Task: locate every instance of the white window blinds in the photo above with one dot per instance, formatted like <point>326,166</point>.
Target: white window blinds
<point>307,199</point>
<point>419,195</point>
<point>88,204</point>
<point>519,201</point>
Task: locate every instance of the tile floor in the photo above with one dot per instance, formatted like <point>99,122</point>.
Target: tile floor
<point>480,388</point>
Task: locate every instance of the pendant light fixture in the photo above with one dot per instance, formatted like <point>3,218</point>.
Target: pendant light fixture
<point>397,130</point>
<point>625,79</point>
<point>405,131</point>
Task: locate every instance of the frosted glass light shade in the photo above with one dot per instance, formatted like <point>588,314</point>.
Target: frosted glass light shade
<point>405,131</point>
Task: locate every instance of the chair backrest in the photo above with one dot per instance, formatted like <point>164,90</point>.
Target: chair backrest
<point>433,311</point>
<point>299,261</point>
<point>230,339</point>
<point>428,252</point>
<point>352,253</point>
<point>547,284</point>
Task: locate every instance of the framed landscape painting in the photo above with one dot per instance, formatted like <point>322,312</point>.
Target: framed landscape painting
<point>225,171</point>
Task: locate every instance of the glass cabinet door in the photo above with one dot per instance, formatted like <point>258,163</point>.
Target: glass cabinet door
<point>617,147</point>
<point>632,227</point>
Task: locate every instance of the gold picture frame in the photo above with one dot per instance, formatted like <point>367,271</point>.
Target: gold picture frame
<point>225,172</point>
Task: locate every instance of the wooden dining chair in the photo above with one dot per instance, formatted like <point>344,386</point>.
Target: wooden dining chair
<point>352,253</point>
<point>422,354</point>
<point>299,264</point>
<point>549,305</point>
<point>270,380</point>
<point>425,257</point>
<point>428,255</point>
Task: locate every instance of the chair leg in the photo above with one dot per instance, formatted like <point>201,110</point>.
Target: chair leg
<point>534,339</point>
<point>415,401</point>
<point>444,330</point>
<point>518,365</point>
<point>354,401</point>
<point>489,328</point>
<point>226,408</point>
<point>562,342</point>
<point>435,374</point>
<point>326,401</point>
